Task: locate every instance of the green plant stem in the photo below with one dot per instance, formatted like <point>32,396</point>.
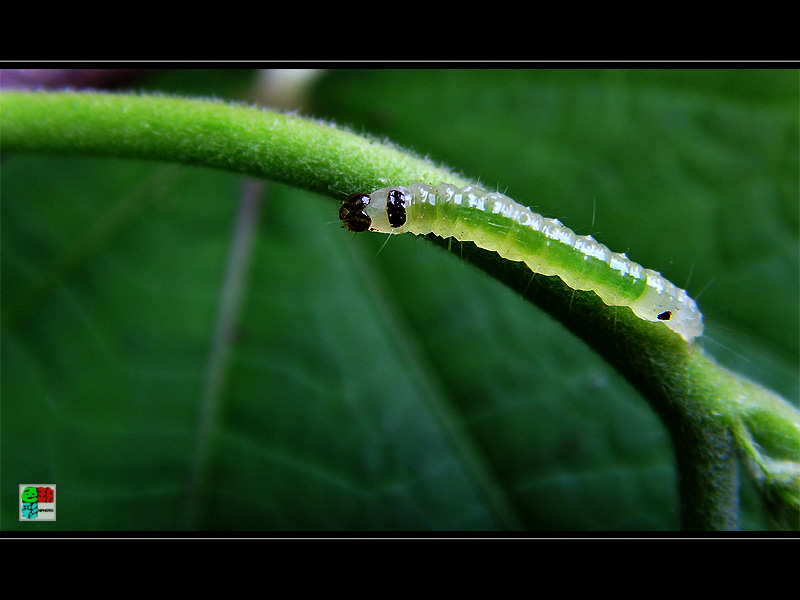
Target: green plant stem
<point>709,411</point>
<point>235,137</point>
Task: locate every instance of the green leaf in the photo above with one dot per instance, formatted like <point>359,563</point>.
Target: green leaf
<point>362,386</point>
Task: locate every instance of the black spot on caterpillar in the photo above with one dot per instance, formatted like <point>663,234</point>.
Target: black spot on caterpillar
<point>495,222</point>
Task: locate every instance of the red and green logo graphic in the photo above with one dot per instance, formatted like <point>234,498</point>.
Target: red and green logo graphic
<point>37,502</point>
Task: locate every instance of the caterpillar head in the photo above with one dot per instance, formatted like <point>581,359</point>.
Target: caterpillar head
<point>383,210</point>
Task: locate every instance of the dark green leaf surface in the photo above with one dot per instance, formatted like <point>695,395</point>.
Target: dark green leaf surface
<point>378,387</point>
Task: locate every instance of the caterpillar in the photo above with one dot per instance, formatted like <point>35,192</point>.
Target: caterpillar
<point>495,222</point>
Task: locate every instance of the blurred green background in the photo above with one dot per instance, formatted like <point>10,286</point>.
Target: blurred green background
<point>357,386</point>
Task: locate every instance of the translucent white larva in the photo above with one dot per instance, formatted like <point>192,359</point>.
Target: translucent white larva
<point>496,222</point>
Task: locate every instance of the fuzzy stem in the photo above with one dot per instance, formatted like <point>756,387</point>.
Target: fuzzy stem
<point>235,137</point>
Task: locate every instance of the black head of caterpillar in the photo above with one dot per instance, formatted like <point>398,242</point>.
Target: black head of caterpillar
<point>355,214</point>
